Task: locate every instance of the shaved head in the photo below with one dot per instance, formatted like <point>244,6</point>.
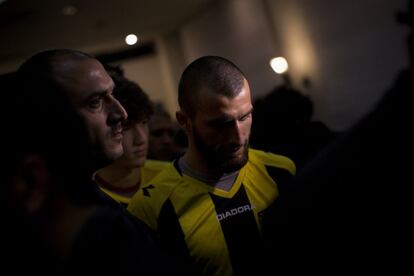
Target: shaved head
<point>211,74</point>
<point>85,83</point>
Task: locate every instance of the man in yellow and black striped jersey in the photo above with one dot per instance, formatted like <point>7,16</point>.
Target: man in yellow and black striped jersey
<point>206,206</point>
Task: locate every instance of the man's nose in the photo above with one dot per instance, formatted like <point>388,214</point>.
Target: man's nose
<point>140,134</point>
<point>117,112</point>
<point>236,135</point>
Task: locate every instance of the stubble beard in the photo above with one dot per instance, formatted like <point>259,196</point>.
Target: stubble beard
<point>219,157</point>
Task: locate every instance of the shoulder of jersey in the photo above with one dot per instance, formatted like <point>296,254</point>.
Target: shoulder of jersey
<point>272,159</point>
<point>156,164</point>
<point>163,183</point>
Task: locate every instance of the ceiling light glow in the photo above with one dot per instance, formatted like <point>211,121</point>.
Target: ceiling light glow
<point>279,65</point>
<point>131,39</point>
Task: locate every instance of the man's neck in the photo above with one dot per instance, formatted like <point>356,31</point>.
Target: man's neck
<point>220,180</point>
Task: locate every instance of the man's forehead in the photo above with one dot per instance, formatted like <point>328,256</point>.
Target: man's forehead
<point>68,67</point>
<point>79,78</point>
<point>224,112</point>
<point>216,99</point>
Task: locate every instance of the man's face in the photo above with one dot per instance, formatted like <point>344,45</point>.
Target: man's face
<point>161,143</point>
<point>89,87</point>
<point>220,129</point>
<point>135,144</point>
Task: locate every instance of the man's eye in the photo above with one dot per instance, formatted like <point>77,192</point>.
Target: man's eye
<point>244,118</point>
<point>95,103</point>
<point>221,124</point>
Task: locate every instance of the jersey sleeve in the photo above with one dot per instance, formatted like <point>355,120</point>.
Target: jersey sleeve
<point>274,160</point>
<point>148,201</point>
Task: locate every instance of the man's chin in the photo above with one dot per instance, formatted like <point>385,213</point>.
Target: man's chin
<point>234,164</point>
<point>114,152</point>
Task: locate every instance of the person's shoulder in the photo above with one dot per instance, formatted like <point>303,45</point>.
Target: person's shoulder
<point>156,164</point>
<point>151,197</point>
<point>160,186</point>
<point>123,200</point>
<point>168,175</point>
<point>151,169</point>
<point>272,160</point>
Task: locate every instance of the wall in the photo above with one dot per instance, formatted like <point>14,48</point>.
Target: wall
<point>351,50</point>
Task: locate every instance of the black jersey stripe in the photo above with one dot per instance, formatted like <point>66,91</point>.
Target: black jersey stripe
<point>282,177</point>
<point>177,166</point>
<point>240,231</point>
<point>172,239</point>
<point>123,204</point>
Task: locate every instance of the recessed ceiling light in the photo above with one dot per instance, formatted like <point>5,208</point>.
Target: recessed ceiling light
<point>279,65</point>
<point>131,39</point>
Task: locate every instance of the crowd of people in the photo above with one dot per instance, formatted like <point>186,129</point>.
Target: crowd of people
<point>98,179</point>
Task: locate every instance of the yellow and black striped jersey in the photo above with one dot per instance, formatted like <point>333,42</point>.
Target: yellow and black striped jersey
<point>217,231</point>
<point>105,178</point>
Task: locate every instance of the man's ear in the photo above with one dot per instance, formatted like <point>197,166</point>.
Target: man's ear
<point>31,186</point>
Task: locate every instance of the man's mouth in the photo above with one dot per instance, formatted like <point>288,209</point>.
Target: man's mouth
<point>117,134</point>
<point>235,149</point>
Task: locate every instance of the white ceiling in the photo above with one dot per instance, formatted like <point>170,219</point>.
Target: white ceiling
<point>27,26</point>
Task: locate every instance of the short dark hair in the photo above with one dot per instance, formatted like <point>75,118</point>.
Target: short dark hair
<point>135,101</point>
<point>214,73</point>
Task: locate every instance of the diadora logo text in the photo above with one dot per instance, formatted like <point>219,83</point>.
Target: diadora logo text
<point>235,211</point>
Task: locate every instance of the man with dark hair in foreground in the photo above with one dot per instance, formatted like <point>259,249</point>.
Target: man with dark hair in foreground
<point>58,222</point>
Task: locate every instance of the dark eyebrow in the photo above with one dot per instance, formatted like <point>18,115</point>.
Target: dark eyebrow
<point>247,113</point>
<point>227,120</point>
<point>95,95</point>
<point>99,94</point>
<point>218,121</point>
